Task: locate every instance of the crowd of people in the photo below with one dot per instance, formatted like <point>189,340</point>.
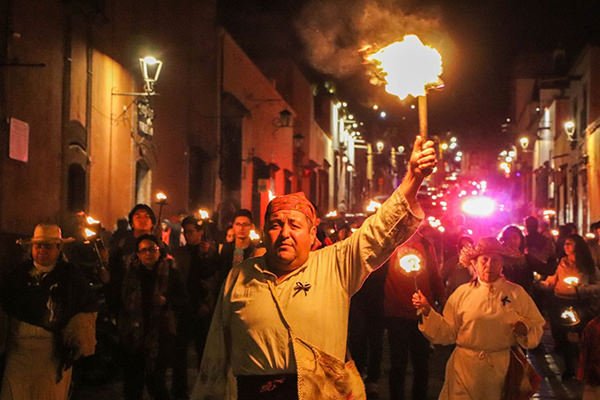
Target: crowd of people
<point>159,296</point>
<point>543,279</point>
<point>283,318</point>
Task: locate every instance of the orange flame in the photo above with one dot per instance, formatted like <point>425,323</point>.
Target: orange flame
<point>408,67</point>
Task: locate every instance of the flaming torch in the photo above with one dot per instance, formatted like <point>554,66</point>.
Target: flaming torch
<point>409,68</point>
<point>161,200</point>
<point>91,233</point>
<point>411,264</point>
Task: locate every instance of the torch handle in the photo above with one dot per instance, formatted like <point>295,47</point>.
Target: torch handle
<point>97,251</point>
<point>422,100</point>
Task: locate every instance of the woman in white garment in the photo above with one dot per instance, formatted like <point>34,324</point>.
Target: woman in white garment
<point>484,318</point>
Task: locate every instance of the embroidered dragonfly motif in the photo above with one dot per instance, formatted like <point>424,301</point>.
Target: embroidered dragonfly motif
<point>505,300</point>
<point>305,287</point>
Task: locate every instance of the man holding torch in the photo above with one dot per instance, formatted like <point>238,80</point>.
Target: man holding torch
<point>281,320</point>
<point>412,267</point>
<point>142,221</point>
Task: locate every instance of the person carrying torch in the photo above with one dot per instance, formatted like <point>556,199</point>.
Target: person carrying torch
<point>142,221</point>
<point>573,278</point>
<point>412,267</point>
<point>488,319</point>
<point>281,321</point>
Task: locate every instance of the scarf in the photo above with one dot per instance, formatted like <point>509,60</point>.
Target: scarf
<point>136,332</point>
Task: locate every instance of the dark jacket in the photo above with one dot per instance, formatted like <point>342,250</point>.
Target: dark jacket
<point>226,257</point>
<point>65,288</point>
<point>141,320</point>
<point>199,272</point>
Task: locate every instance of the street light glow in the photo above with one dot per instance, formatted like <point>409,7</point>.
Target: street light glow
<point>478,206</point>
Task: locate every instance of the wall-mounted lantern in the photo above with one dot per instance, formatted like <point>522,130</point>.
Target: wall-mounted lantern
<point>150,68</point>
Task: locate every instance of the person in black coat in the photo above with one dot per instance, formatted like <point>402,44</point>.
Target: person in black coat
<point>52,319</point>
<point>198,262</point>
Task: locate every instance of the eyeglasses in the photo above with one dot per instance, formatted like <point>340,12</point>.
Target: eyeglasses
<point>149,250</point>
<point>242,225</point>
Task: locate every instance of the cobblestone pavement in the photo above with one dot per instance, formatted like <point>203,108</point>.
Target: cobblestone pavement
<point>544,359</point>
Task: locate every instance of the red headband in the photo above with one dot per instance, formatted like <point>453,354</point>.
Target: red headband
<point>293,201</point>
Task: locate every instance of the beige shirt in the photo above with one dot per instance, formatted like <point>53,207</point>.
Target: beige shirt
<point>247,335</point>
<point>479,319</point>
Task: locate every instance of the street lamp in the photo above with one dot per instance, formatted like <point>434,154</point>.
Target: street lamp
<point>524,142</point>
<point>150,68</point>
<point>570,130</point>
<point>569,127</point>
<point>379,145</point>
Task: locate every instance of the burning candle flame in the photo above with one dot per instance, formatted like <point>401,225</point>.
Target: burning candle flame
<point>571,280</point>
<point>570,316</point>
<point>410,263</point>
<point>408,67</point>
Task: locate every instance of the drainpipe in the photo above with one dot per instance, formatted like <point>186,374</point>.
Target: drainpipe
<point>65,109</point>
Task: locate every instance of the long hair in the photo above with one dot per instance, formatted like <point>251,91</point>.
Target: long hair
<point>514,229</point>
<point>583,256</point>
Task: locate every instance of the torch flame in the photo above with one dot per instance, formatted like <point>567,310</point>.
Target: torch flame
<point>89,233</point>
<point>253,235</point>
<point>160,196</point>
<point>331,214</point>
<point>410,263</point>
<point>408,67</point>
<point>91,220</point>
<point>373,206</point>
<point>203,213</point>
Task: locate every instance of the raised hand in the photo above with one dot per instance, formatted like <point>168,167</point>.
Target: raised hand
<point>423,158</point>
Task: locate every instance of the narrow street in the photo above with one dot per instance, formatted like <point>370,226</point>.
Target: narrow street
<point>546,362</point>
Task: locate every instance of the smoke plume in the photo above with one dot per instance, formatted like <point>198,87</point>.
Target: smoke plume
<point>333,31</point>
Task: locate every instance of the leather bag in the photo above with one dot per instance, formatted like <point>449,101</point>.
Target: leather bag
<point>522,381</point>
<point>321,375</point>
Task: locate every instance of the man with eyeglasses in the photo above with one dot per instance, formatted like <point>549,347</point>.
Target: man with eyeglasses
<point>142,221</point>
<point>242,247</point>
<point>52,319</point>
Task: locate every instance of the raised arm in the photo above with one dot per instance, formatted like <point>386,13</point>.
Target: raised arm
<point>394,223</point>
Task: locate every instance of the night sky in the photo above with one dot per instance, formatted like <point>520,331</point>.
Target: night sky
<point>479,41</point>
